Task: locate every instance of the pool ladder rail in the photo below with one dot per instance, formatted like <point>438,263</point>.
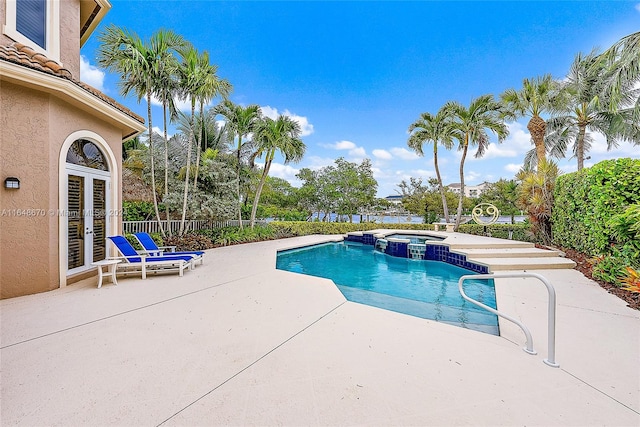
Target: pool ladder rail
<point>551,323</point>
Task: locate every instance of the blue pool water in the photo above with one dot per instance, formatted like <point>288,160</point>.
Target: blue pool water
<point>426,289</point>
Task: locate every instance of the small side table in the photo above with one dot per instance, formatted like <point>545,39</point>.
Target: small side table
<point>111,270</point>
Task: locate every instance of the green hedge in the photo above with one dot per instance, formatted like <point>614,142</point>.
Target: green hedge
<point>521,232</point>
<point>585,201</point>
<point>304,228</point>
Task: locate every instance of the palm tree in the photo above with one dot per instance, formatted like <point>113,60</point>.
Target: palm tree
<point>242,121</point>
<point>166,88</point>
<point>437,130</point>
<point>139,66</point>
<point>538,95</point>
<point>587,107</point>
<point>623,62</point>
<point>280,135</point>
<point>469,127</point>
<point>198,83</point>
<point>535,196</point>
<point>211,87</point>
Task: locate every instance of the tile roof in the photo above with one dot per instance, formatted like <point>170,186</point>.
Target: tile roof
<point>25,56</point>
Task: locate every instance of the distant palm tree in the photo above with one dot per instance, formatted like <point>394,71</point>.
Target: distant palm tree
<point>242,121</point>
<point>437,130</point>
<point>587,107</point>
<point>537,96</point>
<point>139,65</point>
<point>271,136</point>
<point>469,127</point>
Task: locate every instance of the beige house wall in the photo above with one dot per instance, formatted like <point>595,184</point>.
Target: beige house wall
<point>69,34</point>
<point>34,127</point>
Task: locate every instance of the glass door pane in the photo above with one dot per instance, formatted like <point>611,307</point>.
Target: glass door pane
<point>75,218</point>
<point>99,219</point>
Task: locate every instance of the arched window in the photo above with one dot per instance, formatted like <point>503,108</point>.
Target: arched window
<point>85,153</point>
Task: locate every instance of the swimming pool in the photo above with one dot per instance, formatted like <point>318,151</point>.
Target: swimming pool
<point>426,289</point>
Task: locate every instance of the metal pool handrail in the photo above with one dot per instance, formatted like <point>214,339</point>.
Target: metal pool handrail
<point>550,360</point>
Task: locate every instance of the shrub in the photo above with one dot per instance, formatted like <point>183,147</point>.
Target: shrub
<point>520,232</point>
<point>304,228</point>
<point>585,201</point>
<point>138,211</point>
<point>189,242</point>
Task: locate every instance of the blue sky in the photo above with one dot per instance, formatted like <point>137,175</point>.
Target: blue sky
<point>357,74</point>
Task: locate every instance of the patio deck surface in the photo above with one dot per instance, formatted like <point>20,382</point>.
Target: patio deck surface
<point>237,342</point>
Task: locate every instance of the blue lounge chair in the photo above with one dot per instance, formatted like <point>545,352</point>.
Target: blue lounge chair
<point>135,261</point>
<point>147,242</point>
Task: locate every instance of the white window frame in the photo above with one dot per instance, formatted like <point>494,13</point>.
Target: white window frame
<point>53,29</point>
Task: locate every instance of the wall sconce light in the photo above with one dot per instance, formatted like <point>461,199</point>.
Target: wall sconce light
<point>12,183</point>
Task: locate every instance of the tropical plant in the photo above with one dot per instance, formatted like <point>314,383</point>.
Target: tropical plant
<point>587,108</point>
<point>242,121</point>
<point>535,196</point>
<point>281,135</point>
<point>469,127</point>
<point>537,96</point>
<point>437,130</point>
<point>139,65</point>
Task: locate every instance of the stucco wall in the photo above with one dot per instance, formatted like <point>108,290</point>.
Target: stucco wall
<point>34,127</point>
<point>70,36</point>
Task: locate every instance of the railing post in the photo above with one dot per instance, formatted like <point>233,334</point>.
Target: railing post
<point>551,312</point>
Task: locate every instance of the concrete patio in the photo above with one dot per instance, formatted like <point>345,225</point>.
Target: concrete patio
<point>237,342</point>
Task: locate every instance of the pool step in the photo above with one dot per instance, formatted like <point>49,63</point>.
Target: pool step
<point>524,263</point>
<point>509,253</point>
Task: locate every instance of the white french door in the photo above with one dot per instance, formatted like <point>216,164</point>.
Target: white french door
<point>87,216</point>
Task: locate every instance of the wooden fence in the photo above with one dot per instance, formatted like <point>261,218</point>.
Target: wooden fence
<point>130,227</point>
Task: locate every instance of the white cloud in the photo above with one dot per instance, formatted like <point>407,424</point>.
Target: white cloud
<point>473,177</point>
<point>637,7</point>
<point>285,172</point>
<point>91,75</point>
<point>513,167</point>
<point>359,153</point>
<point>382,154</point>
<point>267,111</point>
<point>181,105</point>
<point>319,162</point>
<point>404,154</point>
<point>356,153</point>
<point>305,127</point>
<point>343,145</point>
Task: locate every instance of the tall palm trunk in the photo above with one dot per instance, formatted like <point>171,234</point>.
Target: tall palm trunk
<point>186,178</point>
<point>238,176</point>
<point>202,130</point>
<point>166,168</point>
<point>440,186</point>
<point>263,178</point>
<point>537,128</point>
<point>461,197</point>
<point>582,130</point>
<point>153,170</point>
